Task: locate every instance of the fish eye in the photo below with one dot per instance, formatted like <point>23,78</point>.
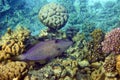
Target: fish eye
<point>57,40</point>
<point>58,49</point>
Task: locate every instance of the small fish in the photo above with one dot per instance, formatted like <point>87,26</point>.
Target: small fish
<point>45,50</point>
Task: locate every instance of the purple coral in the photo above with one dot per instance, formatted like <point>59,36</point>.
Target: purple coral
<point>111,42</point>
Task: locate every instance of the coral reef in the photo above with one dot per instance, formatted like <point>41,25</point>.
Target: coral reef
<point>19,34</point>
<point>78,49</point>
<point>84,60</point>
<point>53,15</point>
<point>94,46</point>
<point>109,70</point>
<point>59,69</point>
<point>110,66</point>
<point>111,42</point>
<point>98,74</point>
<point>97,35</point>
<point>13,42</point>
<point>11,70</point>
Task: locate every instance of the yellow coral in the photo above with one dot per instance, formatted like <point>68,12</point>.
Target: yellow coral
<point>98,74</point>
<point>4,55</point>
<point>19,34</point>
<point>13,42</point>
<point>70,67</point>
<point>118,64</point>
<point>109,66</point>
<point>43,33</point>
<point>97,35</point>
<point>12,70</point>
<point>13,47</point>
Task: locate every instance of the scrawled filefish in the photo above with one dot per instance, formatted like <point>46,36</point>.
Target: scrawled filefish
<point>45,50</point>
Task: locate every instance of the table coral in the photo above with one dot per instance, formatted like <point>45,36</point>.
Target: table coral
<point>12,70</point>
<point>53,15</point>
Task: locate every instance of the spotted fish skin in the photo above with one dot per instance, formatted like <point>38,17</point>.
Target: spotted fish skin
<point>46,50</point>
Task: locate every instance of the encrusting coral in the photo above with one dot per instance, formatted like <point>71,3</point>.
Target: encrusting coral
<point>11,70</point>
<point>53,15</point>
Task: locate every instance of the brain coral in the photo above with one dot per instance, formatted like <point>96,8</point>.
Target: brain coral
<point>12,70</point>
<point>4,55</point>
<point>111,42</point>
<point>53,15</point>
<point>13,42</point>
<point>13,47</point>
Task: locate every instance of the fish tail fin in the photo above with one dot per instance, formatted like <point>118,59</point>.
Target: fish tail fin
<point>19,57</point>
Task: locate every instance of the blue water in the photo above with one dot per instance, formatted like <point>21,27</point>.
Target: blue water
<point>83,14</point>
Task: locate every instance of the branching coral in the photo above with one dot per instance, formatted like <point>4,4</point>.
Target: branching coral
<point>12,70</point>
<point>111,42</point>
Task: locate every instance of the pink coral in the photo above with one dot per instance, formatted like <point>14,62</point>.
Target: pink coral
<point>111,42</point>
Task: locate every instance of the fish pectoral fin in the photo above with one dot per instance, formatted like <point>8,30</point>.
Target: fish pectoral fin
<point>42,61</point>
